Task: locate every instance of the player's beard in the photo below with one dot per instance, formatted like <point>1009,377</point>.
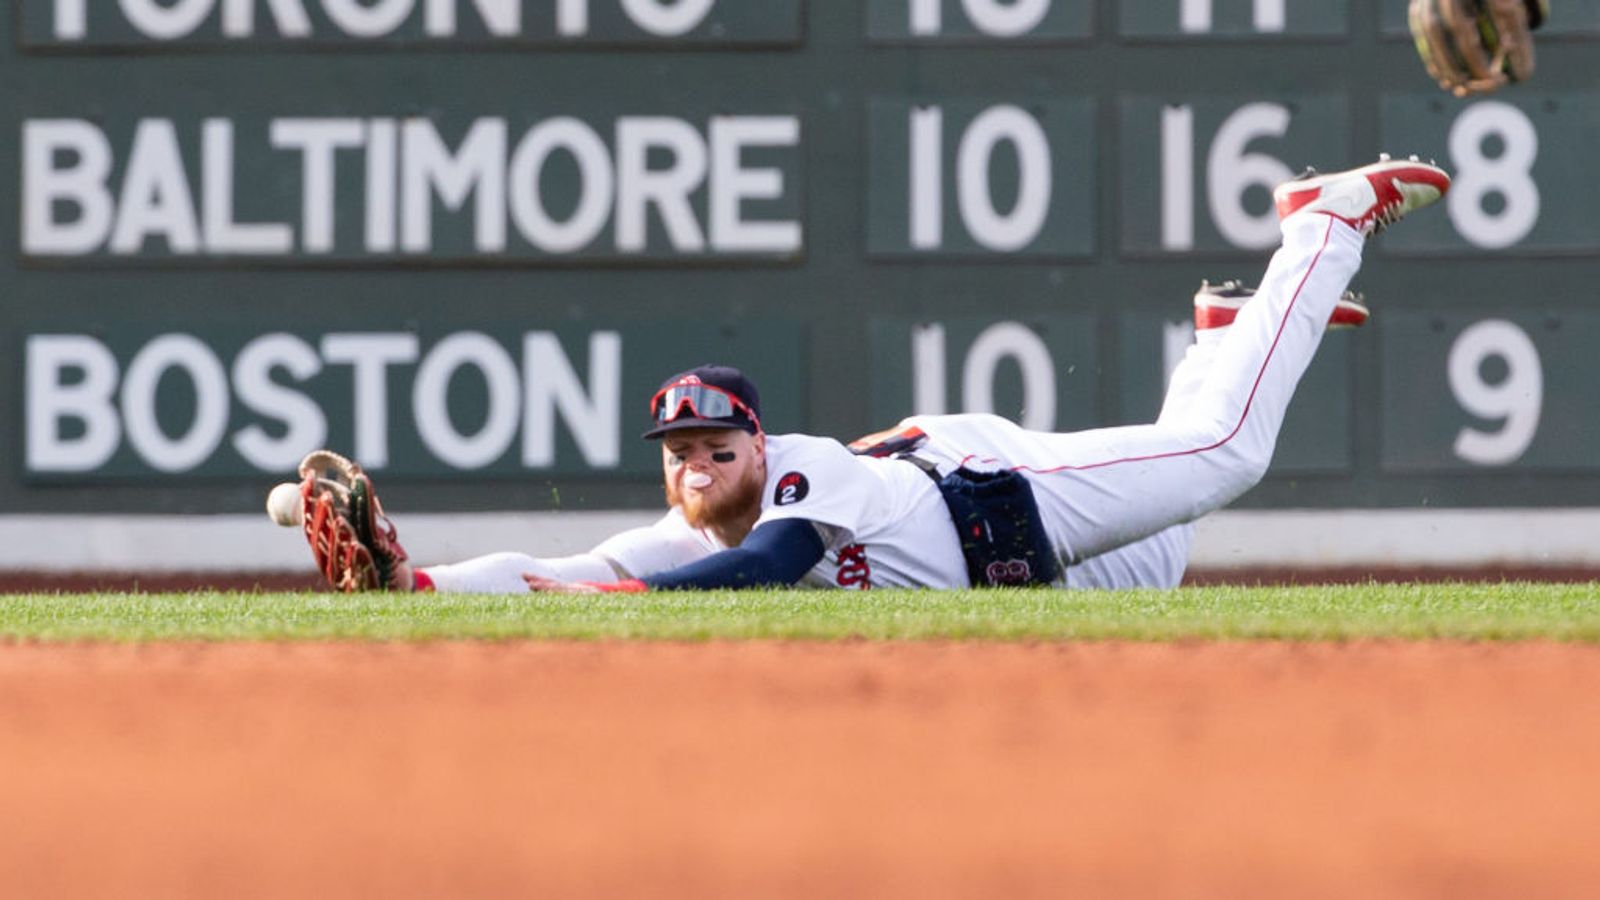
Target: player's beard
<point>726,508</point>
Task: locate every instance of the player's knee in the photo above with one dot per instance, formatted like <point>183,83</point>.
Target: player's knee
<point>1239,469</point>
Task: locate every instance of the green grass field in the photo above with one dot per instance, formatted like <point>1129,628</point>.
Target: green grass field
<point>1506,611</point>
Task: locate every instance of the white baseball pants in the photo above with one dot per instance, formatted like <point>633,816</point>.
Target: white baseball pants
<point>1118,493</point>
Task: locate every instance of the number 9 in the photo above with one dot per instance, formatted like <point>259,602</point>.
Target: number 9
<point>1517,399</point>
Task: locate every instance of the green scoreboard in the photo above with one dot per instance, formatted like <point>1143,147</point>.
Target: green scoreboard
<point>463,240</point>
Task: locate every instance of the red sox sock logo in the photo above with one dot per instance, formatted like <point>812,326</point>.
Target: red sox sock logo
<point>1009,571</point>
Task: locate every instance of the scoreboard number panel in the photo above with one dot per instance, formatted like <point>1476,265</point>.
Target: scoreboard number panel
<point>989,178</point>
<point>1202,19</point>
<point>1317,436</point>
<point>1475,392</point>
<point>970,21</point>
<point>1197,174</point>
<point>1515,159</point>
<point>1041,373</point>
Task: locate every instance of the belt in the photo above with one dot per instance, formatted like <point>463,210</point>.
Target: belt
<point>997,524</point>
<point>927,467</point>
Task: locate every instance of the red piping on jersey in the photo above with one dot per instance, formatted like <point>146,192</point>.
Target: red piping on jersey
<point>1293,299</point>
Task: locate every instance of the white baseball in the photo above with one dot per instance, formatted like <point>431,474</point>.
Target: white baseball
<point>283,504</point>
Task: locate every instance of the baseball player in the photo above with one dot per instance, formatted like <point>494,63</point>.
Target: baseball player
<point>952,501</point>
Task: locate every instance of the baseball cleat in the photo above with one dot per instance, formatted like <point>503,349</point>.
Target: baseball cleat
<point>1217,305</point>
<point>1370,198</point>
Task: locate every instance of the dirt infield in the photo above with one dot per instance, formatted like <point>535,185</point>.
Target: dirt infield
<point>800,770</point>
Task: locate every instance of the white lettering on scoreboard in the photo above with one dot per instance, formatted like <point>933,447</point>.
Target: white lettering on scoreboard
<point>81,406</point>
<point>1516,399</point>
<point>1003,125</point>
<point>1232,168</point>
<point>176,20</point>
<point>1195,16</point>
<point>995,18</point>
<point>995,344</point>
<point>72,205</point>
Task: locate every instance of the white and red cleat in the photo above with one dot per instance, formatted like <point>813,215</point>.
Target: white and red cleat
<point>1217,305</point>
<point>1370,198</point>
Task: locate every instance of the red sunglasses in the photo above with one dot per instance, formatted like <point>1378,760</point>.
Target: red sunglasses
<point>704,401</point>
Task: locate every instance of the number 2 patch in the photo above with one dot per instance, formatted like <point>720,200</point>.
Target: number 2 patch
<point>792,488</point>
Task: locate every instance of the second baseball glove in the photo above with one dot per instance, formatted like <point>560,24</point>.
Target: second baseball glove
<point>1475,46</point>
<point>354,543</point>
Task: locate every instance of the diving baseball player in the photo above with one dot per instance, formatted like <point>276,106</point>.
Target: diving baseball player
<point>950,501</point>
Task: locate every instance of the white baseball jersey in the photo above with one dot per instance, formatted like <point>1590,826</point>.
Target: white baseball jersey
<point>883,521</point>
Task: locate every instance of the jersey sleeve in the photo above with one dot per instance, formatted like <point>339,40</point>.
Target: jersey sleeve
<point>667,544</point>
<point>777,553</point>
<point>818,480</point>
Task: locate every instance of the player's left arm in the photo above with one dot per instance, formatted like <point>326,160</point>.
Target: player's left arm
<point>776,553</point>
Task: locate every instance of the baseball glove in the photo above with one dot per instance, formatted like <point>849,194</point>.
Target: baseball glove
<point>1475,46</point>
<point>353,541</point>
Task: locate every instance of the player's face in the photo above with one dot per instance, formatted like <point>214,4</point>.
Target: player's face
<point>715,474</point>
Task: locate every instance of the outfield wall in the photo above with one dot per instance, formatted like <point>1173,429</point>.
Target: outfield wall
<point>463,240</point>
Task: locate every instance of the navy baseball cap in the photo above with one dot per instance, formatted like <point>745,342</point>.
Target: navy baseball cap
<point>705,397</point>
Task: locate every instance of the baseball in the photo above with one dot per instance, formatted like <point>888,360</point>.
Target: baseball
<point>283,504</point>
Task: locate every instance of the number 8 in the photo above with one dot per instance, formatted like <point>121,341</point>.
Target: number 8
<point>1506,174</point>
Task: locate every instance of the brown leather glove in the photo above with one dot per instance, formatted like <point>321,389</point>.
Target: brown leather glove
<point>353,542</point>
<point>1475,46</point>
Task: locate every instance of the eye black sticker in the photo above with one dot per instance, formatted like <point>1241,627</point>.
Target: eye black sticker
<point>792,488</point>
